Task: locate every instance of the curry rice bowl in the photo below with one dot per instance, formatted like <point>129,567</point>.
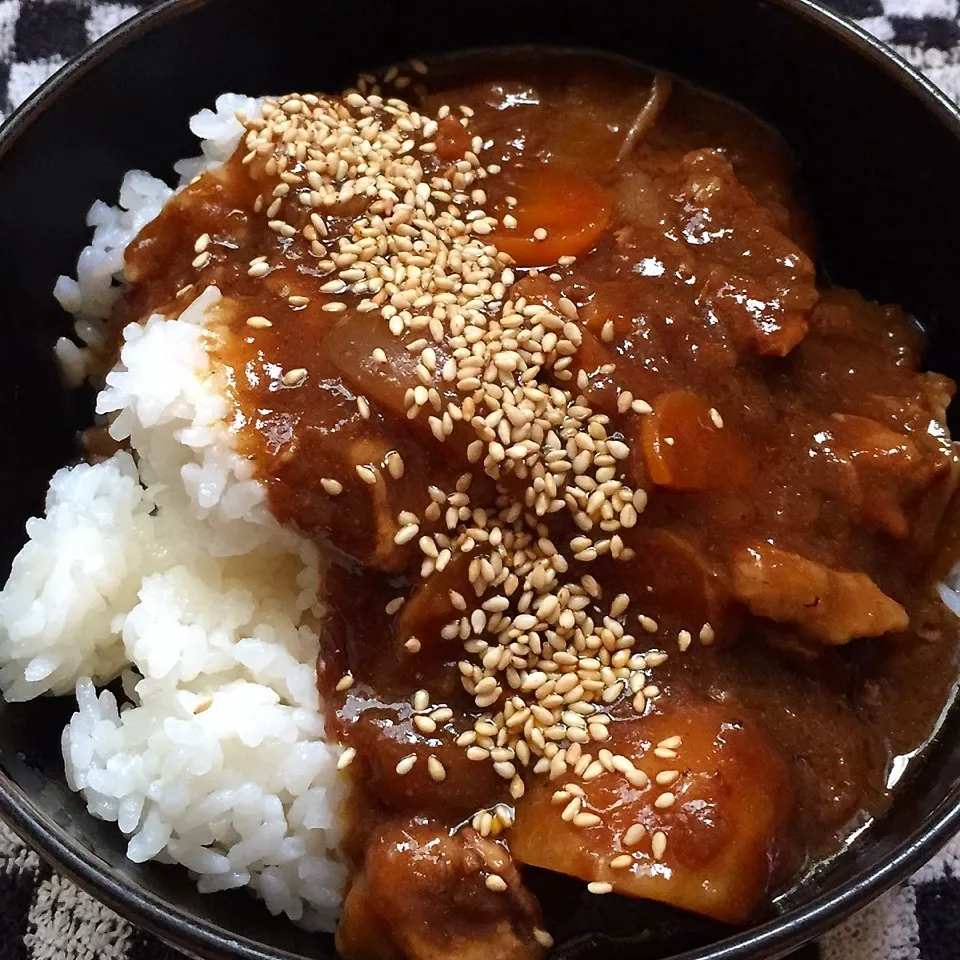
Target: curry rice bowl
<point>161,563</point>
<point>165,567</point>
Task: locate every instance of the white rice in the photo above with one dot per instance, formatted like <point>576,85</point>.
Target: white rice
<point>165,568</point>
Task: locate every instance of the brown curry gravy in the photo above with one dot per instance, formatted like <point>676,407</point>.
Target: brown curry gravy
<point>678,272</point>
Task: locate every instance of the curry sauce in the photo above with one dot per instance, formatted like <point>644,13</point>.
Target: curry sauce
<point>631,522</point>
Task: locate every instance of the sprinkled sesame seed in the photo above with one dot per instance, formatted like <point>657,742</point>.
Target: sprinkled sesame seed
<point>293,378</point>
<point>585,820</point>
<point>495,883</point>
<point>543,938</point>
<point>637,778</point>
<point>421,700</point>
<point>331,486</point>
<point>406,764</point>
<point>659,844</point>
<point>394,463</point>
<point>634,834</point>
<point>345,682</point>
<point>258,322</point>
<point>406,533</point>
<point>540,652</point>
<point>600,887</point>
<point>346,758</point>
<point>621,862</point>
<point>425,724</point>
<point>394,605</point>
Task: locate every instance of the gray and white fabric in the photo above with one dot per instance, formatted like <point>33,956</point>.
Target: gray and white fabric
<point>44,917</point>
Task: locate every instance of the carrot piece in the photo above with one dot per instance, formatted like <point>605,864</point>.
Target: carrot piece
<point>572,208</point>
<point>685,450</point>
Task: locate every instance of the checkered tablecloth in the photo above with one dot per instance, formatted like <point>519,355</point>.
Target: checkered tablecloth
<point>44,917</point>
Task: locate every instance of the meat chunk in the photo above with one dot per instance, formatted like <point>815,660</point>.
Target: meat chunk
<point>722,829</point>
<point>829,606</point>
<point>891,469</point>
<point>754,314</point>
<point>722,216</point>
<point>423,894</point>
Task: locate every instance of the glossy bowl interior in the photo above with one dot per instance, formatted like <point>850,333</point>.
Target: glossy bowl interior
<point>880,151</point>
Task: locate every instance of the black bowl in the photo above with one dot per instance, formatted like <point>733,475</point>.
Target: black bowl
<point>880,152</point>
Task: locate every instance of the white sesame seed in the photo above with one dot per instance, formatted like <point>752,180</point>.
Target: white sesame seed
<point>543,938</point>
<point>634,834</point>
<point>406,533</point>
<point>659,844</point>
<point>425,724</point>
<point>421,700</point>
<point>406,764</point>
<point>295,377</point>
<point>495,883</point>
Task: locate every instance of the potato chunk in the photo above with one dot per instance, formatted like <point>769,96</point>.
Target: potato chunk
<point>829,606</point>
<point>721,830</point>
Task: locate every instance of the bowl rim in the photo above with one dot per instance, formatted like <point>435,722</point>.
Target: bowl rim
<point>172,924</point>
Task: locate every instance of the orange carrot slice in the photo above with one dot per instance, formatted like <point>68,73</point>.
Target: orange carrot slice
<point>685,450</point>
<point>558,213</point>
